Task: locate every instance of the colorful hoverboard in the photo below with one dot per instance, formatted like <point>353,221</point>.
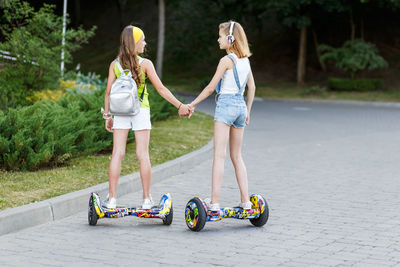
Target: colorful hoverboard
<point>197,214</point>
<point>163,211</point>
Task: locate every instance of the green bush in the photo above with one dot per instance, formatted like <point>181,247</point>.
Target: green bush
<point>341,84</point>
<point>48,133</point>
<point>354,56</point>
<point>160,108</point>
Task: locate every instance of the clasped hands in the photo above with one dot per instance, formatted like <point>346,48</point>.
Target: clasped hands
<point>186,110</point>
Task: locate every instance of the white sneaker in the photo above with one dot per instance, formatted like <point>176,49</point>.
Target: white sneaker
<point>110,203</point>
<point>211,206</point>
<point>246,206</point>
<point>147,203</point>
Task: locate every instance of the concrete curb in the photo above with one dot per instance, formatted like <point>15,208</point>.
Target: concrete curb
<point>337,102</point>
<point>324,101</point>
<point>56,208</point>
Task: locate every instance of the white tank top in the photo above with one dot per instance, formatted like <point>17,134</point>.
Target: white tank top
<point>228,84</point>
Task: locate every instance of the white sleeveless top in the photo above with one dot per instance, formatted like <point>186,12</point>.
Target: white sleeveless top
<point>228,84</point>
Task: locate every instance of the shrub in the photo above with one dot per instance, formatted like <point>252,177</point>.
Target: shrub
<point>160,108</point>
<point>341,84</point>
<point>49,133</point>
<point>354,56</point>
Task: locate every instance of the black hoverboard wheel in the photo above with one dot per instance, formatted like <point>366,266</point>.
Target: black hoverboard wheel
<point>263,218</point>
<point>167,220</point>
<point>195,214</point>
<point>92,215</point>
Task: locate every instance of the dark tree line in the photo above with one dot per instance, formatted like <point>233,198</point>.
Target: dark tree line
<point>290,30</point>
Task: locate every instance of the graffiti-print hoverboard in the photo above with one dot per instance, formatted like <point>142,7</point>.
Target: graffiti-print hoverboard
<point>163,211</point>
<point>197,214</point>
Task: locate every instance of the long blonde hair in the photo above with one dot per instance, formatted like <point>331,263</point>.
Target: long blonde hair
<point>240,46</point>
<point>127,54</point>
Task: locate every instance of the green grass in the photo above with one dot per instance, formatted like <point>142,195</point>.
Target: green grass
<point>293,91</point>
<point>169,139</point>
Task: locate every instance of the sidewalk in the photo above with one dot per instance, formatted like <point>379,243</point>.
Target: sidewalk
<point>329,173</point>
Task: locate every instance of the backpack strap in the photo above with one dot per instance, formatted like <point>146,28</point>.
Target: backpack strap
<point>122,73</point>
<point>142,94</point>
<point>140,61</point>
<point>119,66</point>
<point>121,70</point>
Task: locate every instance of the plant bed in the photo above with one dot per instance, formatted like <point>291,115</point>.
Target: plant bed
<point>358,85</point>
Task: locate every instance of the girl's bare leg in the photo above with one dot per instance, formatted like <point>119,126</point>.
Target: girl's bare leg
<point>221,136</point>
<point>142,139</point>
<point>118,153</point>
<point>235,146</point>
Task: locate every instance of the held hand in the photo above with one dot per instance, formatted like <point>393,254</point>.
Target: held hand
<point>109,125</point>
<point>191,110</point>
<point>183,111</point>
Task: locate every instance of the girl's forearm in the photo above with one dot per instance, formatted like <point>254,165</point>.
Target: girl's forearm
<point>167,95</point>
<point>106,105</point>
<point>203,95</point>
<point>250,98</point>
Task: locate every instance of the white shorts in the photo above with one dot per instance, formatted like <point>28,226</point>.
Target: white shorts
<point>140,121</point>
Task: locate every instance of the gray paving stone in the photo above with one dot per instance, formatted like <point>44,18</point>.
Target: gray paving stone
<point>330,175</point>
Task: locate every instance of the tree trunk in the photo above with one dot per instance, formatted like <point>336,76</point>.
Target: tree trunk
<point>161,36</point>
<point>323,65</point>
<point>301,63</point>
<point>352,27</point>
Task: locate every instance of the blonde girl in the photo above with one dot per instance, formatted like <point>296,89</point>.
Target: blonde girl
<point>132,43</point>
<point>232,112</point>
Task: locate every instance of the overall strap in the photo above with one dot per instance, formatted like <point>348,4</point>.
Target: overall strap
<point>241,90</point>
<point>218,88</point>
<point>235,74</point>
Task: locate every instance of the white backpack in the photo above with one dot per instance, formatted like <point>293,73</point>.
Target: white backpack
<point>124,100</point>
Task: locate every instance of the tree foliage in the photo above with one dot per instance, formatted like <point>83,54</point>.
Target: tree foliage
<point>296,13</point>
<point>354,56</point>
<point>33,38</point>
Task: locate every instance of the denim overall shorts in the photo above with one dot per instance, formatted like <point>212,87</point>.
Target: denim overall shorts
<point>231,109</point>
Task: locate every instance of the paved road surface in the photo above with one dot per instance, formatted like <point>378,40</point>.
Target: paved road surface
<point>330,173</point>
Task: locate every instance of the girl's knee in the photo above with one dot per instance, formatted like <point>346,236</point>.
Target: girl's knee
<point>220,155</point>
<point>236,158</point>
<point>142,156</point>
<point>118,154</point>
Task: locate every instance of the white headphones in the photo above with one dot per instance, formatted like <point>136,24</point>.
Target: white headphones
<point>230,37</point>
